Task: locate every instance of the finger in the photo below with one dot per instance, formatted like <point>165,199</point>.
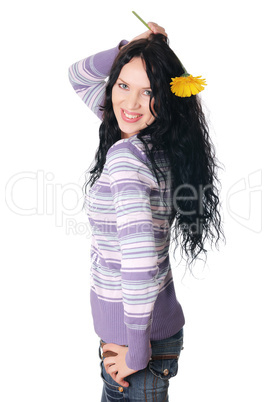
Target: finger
<point>160,30</point>
<point>112,370</point>
<point>116,377</point>
<point>155,28</point>
<point>110,347</point>
<point>108,361</point>
<point>124,383</point>
<point>152,26</point>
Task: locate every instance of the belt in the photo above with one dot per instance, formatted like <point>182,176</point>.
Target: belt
<point>109,353</point>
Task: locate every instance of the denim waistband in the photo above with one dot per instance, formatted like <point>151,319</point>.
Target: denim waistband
<point>162,347</point>
<point>168,346</point>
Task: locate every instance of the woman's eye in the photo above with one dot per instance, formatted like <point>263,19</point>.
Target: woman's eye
<point>123,86</point>
<point>148,92</point>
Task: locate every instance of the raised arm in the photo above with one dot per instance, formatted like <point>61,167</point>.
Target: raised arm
<point>88,76</point>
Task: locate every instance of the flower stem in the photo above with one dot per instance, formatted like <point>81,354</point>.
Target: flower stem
<point>185,74</point>
<point>140,19</point>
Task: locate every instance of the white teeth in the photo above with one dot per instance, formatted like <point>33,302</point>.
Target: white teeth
<point>130,116</point>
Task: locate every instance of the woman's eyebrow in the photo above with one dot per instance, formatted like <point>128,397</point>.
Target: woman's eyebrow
<point>119,78</point>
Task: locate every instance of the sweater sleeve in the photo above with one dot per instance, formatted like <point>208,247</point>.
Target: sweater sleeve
<point>88,76</point>
<point>131,183</point>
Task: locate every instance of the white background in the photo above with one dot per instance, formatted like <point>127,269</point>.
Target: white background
<point>48,139</point>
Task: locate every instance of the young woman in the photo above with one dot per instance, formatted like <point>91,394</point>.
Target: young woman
<point>153,180</point>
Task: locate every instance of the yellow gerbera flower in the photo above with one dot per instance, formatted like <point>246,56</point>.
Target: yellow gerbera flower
<point>186,85</point>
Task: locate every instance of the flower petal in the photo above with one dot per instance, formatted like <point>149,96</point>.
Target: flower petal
<point>185,86</point>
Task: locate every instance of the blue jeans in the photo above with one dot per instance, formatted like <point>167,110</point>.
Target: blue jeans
<point>151,383</point>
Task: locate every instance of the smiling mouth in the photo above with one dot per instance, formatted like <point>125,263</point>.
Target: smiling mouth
<point>130,116</point>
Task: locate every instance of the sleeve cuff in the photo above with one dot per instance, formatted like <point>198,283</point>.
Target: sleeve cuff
<point>139,352</point>
<point>123,43</point>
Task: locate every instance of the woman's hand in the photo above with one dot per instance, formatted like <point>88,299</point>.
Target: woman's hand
<point>116,366</point>
<point>154,29</point>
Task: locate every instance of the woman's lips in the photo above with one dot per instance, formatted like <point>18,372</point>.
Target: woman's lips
<point>130,117</point>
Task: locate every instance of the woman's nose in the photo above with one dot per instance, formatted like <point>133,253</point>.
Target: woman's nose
<point>132,101</point>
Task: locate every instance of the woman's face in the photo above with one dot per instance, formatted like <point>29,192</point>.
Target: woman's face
<point>130,98</point>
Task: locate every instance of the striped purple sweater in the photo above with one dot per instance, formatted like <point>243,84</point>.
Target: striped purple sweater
<point>132,293</point>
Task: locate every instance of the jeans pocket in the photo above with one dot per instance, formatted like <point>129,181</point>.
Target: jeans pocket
<point>165,368</point>
<point>165,356</point>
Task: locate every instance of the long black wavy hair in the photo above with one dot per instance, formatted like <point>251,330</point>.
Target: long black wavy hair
<point>181,131</point>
